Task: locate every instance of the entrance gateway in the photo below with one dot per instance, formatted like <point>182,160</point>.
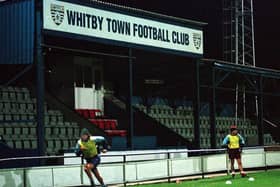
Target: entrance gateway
<point>114,25</point>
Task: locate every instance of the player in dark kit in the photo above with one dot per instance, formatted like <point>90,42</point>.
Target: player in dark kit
<point>90,147</point>
<point>234,143</point>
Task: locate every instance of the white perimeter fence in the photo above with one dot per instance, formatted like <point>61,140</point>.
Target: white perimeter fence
<point>134,167</point>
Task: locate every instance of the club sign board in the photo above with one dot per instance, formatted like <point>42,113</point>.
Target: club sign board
<point>119,27</point>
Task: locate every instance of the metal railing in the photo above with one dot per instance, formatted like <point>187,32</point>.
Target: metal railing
<point>167,156</point>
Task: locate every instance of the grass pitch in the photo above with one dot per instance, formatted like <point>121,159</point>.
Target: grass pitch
<point>262,179</point>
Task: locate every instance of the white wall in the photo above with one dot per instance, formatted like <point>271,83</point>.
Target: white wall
<point>113,156</point>
<point>12,177</point>
<point>134,171</point>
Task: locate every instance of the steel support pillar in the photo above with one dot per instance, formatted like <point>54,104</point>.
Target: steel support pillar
<point>196,104</point>
<point>260,112</point>
<point>40,80</point>
<point>130,95</point>
<point>213,110</point>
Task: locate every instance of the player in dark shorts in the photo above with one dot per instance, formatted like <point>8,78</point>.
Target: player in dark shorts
<point>234,143</point>
<point>90,147</point>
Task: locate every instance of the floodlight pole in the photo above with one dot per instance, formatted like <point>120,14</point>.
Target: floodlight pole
<point>239,43</point>
<point>236,56</point>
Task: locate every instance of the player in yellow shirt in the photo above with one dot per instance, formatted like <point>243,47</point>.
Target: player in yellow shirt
<point>89,147</point>
<point>234,143</point>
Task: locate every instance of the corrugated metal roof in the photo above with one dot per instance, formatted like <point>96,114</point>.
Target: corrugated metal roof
<point>251,70</point>
<point>17,32</point>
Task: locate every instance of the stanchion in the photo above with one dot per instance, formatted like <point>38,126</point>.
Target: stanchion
<point>265,161</point>
<point>52,178</point>
<point>24,178</point>
<point>124,175</point>
<point>82,171</point>
<point>202,165</point>
<point>168,167</point>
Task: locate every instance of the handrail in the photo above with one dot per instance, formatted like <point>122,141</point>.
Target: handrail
<point>129,154</point>
<point>167,164</point>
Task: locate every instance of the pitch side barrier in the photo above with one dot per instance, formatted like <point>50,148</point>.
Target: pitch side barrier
<point>166,167</point>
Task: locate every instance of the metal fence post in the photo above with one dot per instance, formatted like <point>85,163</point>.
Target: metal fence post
<point>202,166</point>
<point>265,161</point>
<point>168,167</point>
<point>82,172</point>
<point>124,173</point>
<point>24,177</point>
<point>52,178</point>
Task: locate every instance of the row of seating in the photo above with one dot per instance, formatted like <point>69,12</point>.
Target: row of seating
<point>89,113</point>
<point>23,143</point>
<point>53,118</point>
<point>205,142</point>
<point>181,121</point>
<point>185,132</point>
<point>53,146</point>
<point>206,130</point>
<point>23,106</point>
<point>203,120</point>
<point>13,89</point>
<point>14,95</point>
<point>158,110</point>
<point>121,133</point>
<point>62,132</point>
<point>8,117</point>
<point>96,118</point>
<point>109,126</point>
<point>24,129</point>
<point>25,135</point>
<point>188,131</point>
<point>105,124</point>
<point>189,121</point>
<point>28,105</point>
<point>18,127</point>
<point>188,134</point>
<point>62,124</point>
<point>168,111</point>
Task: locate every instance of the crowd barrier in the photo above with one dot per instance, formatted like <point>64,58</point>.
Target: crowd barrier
<point>133,168</point>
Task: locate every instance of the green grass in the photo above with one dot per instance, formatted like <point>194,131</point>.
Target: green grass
<point>262,179</point>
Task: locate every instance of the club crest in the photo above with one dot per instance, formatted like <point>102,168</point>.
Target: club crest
<point>57,13</point>
<point>197,40</point>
